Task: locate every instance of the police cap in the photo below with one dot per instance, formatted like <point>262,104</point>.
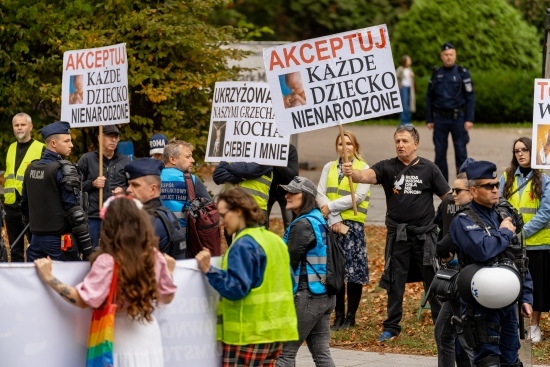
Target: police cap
<point>447,46</point>
<point>143,167</point>
<point>480,169</point>
<point>59,127</point>
<point>467,161</point>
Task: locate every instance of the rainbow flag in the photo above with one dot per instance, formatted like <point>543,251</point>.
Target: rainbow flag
<point>102,331</point>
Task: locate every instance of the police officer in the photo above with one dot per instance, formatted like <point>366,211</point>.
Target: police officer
<point>51,200</point>
<point>482,237</point>
<point>450,108</point>
<point>144,184</point>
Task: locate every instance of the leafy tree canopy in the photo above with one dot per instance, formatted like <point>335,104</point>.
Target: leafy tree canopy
<point>488,35</point>
<point>174,53</point>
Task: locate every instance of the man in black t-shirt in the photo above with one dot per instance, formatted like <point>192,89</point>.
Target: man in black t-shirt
<point>409,183</point>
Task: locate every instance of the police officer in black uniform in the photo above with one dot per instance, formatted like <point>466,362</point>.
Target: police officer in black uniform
<point>482,236</point>
<point>450,108</point>
<point>51,201</point>
<point>143,177</point>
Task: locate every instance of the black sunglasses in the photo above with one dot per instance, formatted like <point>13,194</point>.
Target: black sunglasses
<point>490,186</point>
<point>457,191</point>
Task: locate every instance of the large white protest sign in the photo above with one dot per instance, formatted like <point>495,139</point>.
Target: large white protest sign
<point>540,156</point>
<point>94,88</point>
<point>39,328</point>
<point>242,126</point>
<point>329,80</point>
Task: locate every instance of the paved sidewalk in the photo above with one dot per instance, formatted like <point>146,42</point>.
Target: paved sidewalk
<point>354,358</point>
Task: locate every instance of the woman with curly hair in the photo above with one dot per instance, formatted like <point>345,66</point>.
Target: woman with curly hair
<point>144,281</point>
<point>528,190</point>
<point>256,313</point>
<point>334,199</point>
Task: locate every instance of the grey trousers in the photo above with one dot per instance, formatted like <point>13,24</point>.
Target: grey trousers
<point>313,313</point>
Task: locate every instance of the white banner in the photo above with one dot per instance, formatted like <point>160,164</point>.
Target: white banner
<point>540,156</point>
<point>94,90</point>
<point>335,79</point>
<point>242,126</point>
<point>39,328</point>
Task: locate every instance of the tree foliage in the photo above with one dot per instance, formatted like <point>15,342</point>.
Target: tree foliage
<point>488,35</point>
<point>293,20</point>
<point>174,56</point>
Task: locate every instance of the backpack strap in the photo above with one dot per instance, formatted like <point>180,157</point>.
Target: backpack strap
<point>190,181</point>
<point>164,214</point>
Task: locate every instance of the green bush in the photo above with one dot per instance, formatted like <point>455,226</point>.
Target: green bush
<point>488,35</point>
<point>501,96</point>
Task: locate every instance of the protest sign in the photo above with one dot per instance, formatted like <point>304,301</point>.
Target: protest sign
<point>540,156</point>
<point>94,88</point>
<point>242,126</point>
<point>330,80</point>
<point>39,328</point>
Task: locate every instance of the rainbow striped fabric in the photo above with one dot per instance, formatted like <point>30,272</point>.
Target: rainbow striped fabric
<point>102,331</point>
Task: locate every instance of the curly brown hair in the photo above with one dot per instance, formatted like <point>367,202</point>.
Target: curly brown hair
<point>128,236</point>
<point>238,198</point>
<point>536,183</point>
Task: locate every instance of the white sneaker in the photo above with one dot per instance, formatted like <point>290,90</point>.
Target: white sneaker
<point>535,334</point>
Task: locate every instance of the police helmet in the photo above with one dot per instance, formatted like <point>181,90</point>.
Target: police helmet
<point>495,286</point>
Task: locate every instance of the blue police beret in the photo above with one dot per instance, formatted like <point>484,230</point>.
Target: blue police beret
<point>468,160</point>
<point>447,46</point>
<point>480,169</point>
<point>59,127</point>
<point>157,144</point>
<point>143,167</point>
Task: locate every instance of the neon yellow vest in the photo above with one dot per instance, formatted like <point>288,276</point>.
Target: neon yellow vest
<point>527,207</point>
<point>15,181</point>
<point>337,190</point>
<point>259,189</point>
<point>267,314</point>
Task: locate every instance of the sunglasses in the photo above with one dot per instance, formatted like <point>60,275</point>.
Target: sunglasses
<point>457,191</point>
<point>490,186</point>
<point>408,127</point>
<point>521,150</point>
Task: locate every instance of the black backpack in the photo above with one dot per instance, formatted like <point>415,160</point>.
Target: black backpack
<point>336,263</point>
<point>177,245</point>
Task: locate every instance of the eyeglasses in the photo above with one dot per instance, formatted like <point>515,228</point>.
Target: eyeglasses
<point>222,215</point>
<point>490,186</point>
<point>521,150</point>
<point>457,191</point>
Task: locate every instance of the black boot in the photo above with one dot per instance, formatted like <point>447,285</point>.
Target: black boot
<point>338,321</point>
<point>349,322</point>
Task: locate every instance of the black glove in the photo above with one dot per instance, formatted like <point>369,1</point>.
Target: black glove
<point>505,209</point>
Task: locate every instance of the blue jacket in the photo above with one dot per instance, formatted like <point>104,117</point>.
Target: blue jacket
<point>316,255</point>
<point>237,172</point>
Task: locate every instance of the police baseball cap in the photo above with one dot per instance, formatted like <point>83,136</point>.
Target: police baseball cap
<point>157,144</point>
<point>447,46</point>
<point>110,129</point>
<point>480,170</point>
<point>143,167</point>
<point>59,127</point>
<point>299,184</point>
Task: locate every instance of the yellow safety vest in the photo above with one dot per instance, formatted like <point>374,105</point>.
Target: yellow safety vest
<point>14,181</point>
<point>337,190</point>
<point>259,189</point>
<point>267,314</point>
<point>527,206</point>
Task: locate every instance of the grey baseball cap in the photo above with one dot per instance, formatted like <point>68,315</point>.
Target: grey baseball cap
<point>300,184</point>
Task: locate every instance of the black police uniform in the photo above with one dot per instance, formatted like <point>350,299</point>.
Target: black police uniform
<point>483,245</point>
<point>171,239</point>
<point>51,203</point>
<point>449,103</point>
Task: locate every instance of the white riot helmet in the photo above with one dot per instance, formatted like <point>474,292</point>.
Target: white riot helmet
<point>495,286</point>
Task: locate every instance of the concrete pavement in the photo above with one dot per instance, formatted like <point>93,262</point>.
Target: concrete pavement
<point>354,358</point>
